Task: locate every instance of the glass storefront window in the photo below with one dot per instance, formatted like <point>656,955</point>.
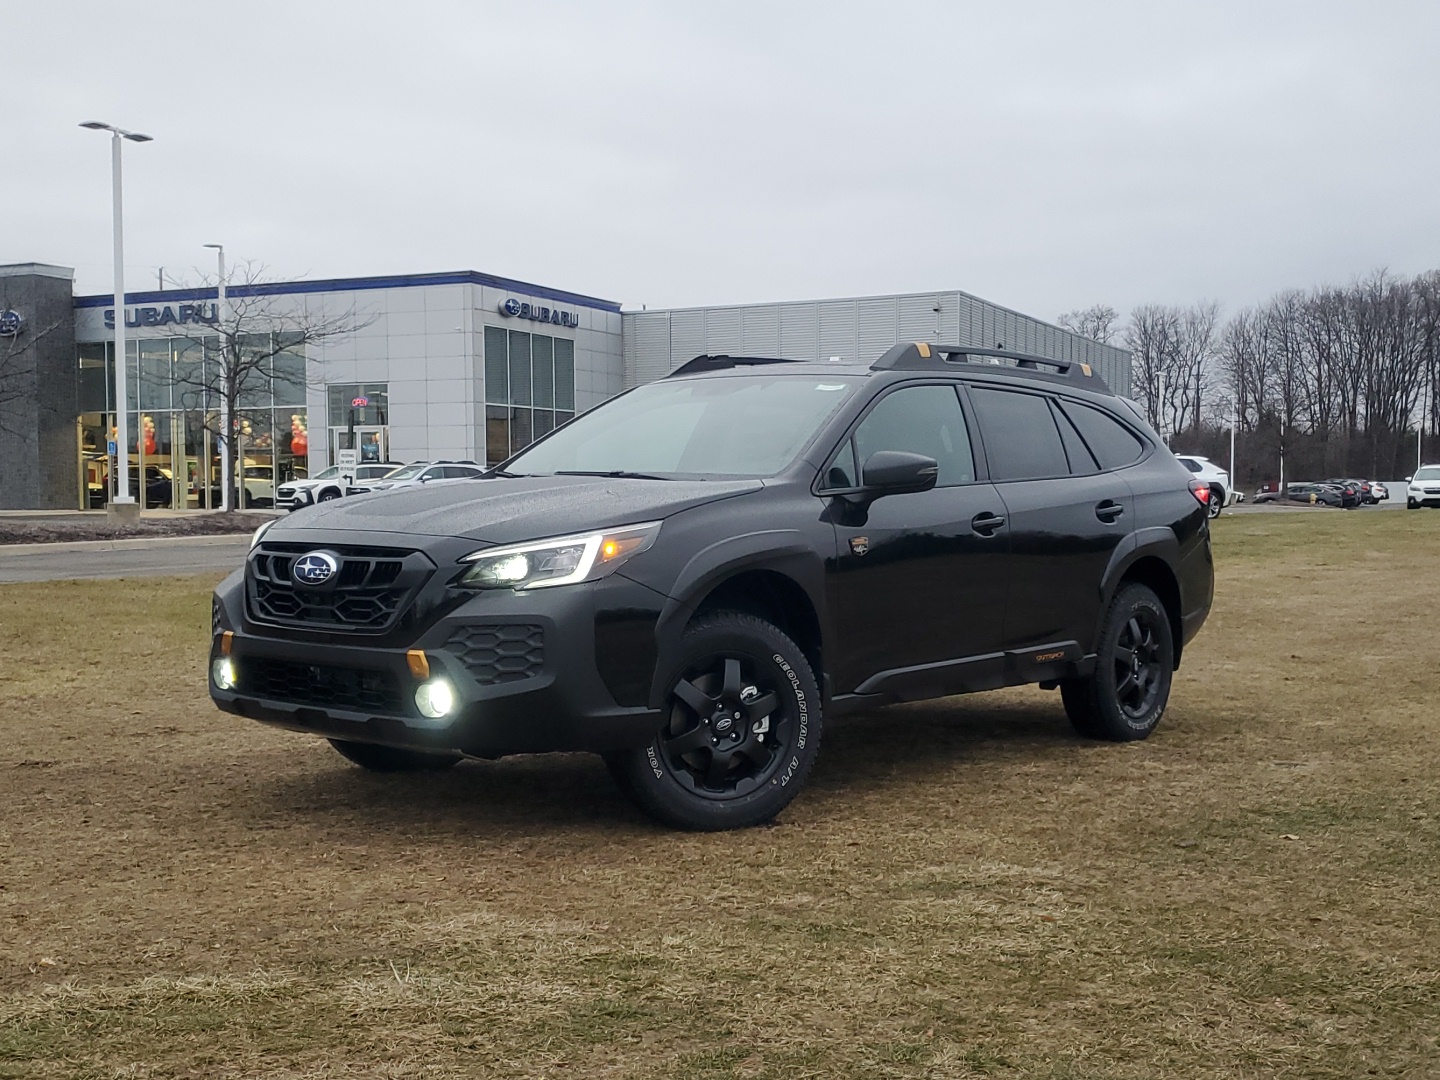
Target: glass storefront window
<point>519,368</point>
<point>524,370</point>
<point>174,421</point>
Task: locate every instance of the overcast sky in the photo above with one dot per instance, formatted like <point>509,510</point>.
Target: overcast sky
<point>1043,155</point>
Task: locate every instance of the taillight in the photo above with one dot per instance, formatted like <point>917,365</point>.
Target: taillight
<point>1201,490</point>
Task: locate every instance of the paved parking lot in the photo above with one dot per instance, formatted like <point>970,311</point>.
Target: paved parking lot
<point>121,558</point>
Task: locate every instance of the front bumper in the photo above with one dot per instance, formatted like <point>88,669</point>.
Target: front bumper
<point>1423,496</point>
<point>523,666</point>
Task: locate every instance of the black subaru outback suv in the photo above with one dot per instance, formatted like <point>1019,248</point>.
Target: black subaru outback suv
<point>688,578</point>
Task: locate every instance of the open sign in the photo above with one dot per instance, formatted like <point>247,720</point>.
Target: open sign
<point>359,402</point>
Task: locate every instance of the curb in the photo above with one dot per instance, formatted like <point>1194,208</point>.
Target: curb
<point>122,544</point>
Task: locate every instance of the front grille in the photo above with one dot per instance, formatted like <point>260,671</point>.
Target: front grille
<point>499,654</point>
<point>368,594</point>
<point>318,684</point>
<point>217,617</point>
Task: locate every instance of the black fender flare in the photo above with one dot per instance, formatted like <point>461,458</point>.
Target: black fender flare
<point>782,551</point>
<point>1157,541</point>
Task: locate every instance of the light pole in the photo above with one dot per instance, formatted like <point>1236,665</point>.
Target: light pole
<point>225,432</point>
<point>1234,423</point>
<point>122,499</point>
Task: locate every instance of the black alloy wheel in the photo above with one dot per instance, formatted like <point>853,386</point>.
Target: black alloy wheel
<point>741,729</point>
<point>329,495</point>
<point>392,759</point>
<point>1125,696</point>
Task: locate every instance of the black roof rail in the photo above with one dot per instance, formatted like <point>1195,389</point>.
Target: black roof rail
<point>922,356</point>
<point>719,363</point>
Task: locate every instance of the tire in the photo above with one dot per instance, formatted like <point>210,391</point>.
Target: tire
<point>1217,501</point>
<point>392,759</point>
<point>1125,697</point>
<point>741,733</point>
<point>1411,504</point>
<point>327,496</point>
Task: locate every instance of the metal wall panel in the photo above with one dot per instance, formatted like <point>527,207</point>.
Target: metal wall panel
<point>879,326</point>
<point>760,331</point>
<point>856,329</point>
<point>687,336</point>
<point>839,329</point>
<point>722,331</point>
<point>919,321</point>
<point>800,331</point>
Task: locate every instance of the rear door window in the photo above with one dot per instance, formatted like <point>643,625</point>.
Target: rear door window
<point>1022,441</point>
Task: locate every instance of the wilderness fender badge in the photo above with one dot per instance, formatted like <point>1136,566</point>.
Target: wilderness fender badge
<point>860,545</point>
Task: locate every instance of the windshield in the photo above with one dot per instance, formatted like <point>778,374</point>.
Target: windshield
<point>731,426</point>
<point>329,474</point>
<point>405,472</point>
<point>1430,472</point>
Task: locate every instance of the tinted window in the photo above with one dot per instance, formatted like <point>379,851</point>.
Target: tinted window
<point>1081,461</point>
<point>1021,440</point>
<point>1114,445</point>
<point>920,420</point>
<point>1190,463</point>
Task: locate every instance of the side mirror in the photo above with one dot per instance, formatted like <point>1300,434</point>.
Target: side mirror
<point>896,472</point>
<point>1408,479</point>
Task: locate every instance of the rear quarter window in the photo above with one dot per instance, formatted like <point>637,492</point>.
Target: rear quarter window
<point>1113,444</point>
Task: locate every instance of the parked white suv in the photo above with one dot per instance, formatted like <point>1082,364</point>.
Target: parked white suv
<point>422,472</point>
<point>1221,493</point>
<point>1424,488</point>
<point>327,485</point>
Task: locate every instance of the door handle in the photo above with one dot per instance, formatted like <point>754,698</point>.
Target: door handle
<point>1108,511</point>
<point>985,524</point>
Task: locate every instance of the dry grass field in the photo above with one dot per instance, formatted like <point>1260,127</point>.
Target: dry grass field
<point>964,889</point>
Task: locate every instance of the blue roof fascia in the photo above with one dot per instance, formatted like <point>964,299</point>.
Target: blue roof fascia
<point>399,281</point>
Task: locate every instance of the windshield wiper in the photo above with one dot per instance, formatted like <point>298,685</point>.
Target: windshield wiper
<point>612,474</point>
<point>506,475</point>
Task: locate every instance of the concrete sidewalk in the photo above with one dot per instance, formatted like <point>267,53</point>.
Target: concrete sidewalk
<point>140,557</point>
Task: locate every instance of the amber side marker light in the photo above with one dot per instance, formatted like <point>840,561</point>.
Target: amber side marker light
<point>227,642</point>
<point>419,663</point>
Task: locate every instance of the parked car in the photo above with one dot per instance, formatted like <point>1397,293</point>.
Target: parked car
<point>159,488</point>
<point>690,578</point>
<point>1379,491</point>
<point>1424,487</point>
<point>328,484</point>
<point>1306,494</point>
<point>1221,493</point>
<point>1361,489</point>
<point>422,472</point>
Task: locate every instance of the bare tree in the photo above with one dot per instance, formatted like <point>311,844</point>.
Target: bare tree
<point>1098,322</point>
<point>257,340</point>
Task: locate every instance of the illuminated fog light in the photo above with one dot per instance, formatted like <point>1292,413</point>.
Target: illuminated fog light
<point>435,698</point>
<point>223,672</point>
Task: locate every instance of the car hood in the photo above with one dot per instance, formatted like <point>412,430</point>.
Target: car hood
<point>507,511</point>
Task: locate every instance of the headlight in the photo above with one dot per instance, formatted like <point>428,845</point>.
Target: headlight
<point>261,532</point>
<point>562,561</point>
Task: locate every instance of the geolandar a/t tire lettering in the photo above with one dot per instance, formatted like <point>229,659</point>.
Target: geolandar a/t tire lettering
<point>1125,696</point>
<point>741,728</point>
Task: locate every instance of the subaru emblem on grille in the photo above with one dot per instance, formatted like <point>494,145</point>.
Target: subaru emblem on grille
<point>314,568</point>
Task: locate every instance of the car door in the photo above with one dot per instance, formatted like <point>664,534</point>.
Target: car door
<point>918,586</point>
<point>1067,516</point>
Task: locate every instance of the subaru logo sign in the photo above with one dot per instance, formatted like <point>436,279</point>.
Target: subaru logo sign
<point>314,568</point>
<point>10,323</point>
<point>520,309</point>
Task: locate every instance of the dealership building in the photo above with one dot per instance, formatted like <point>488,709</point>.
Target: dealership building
<point>460,366</point>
